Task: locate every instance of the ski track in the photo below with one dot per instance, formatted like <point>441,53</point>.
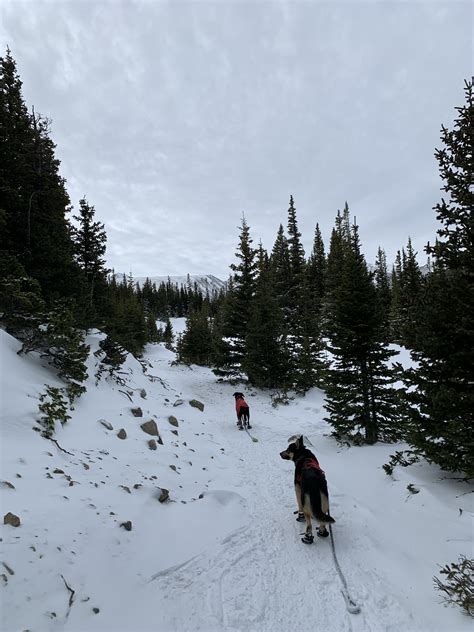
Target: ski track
<point>233,561</point>
<point>299,583</point>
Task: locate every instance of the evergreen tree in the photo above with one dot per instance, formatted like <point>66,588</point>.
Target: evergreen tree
<point>316,270</point>
<point>359,393</point>
<point>114,355</point>
<point>383,290</point>
<point>396,312</point>
<point>21,302</point>
<point>280,264</point>
<point>168,335</point>
<point>32,193</point>
<point>297,263</point>
<point>441,397</point>
<point>89,245</point>
<point>266,361</point>
<point>230,354</point>
<point>411,286</point>
<point>196,343</point>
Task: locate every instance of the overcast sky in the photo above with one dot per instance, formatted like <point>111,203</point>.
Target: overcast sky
<point>174,118</point>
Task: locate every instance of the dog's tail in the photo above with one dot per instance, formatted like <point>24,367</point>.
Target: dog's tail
<point>320,506</point>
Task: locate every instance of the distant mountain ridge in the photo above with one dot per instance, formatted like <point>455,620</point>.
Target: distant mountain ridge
<point>205,282</point>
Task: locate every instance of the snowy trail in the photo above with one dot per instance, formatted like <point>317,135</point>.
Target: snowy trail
<point>262,577</point>
<point>225,552</point>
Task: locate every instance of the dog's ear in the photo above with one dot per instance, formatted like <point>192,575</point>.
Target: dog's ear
<point>298,440</point>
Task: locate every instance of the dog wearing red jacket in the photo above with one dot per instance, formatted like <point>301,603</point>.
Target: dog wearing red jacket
<point>310,487</point>
<point>243,411</point>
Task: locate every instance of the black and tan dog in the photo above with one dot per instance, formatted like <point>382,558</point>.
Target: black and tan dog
<point>310,487</point>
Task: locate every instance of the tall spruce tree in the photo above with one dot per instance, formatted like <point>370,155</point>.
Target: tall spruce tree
<point>89,246</point>
<point>360,398</point>
<point>316,270</point>
<point>32,193</point>
<point>195,346</point>
<point>442,397</point>
<point>266,361</point>
<point>229,354</point>
<point>412,281</point>
<point>280,264</point>
<point>383,289</point>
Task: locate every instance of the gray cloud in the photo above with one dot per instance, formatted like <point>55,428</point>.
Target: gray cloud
<point>174,118</point>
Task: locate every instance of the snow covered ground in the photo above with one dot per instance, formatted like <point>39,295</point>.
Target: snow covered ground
<point>224,552</point>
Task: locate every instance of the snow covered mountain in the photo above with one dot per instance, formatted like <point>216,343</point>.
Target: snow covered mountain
<point>205,282</point>
<point>100,545</point>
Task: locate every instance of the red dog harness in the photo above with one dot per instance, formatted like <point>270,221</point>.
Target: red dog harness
<point>309,464</point>
<point>239,403</point>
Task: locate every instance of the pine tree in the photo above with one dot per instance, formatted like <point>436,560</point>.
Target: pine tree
<point>168,335</point>
<point>33,198</point>
<point>411,288</point>
<point>396,312</point>
<point>316,270</point>
<point>441,397</point>
<point>383,290</point>
<point>360,398</point>
<point>89,245</point>
<point>297,263</point>
<point>230,354</point>
<point>196,343</point>
<point>266,361</point>
<point>114,355</point>
<point>280,264</point>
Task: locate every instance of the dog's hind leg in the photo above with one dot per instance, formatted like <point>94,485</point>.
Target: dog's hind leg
<point>308,536</point>
<point>324,518</point>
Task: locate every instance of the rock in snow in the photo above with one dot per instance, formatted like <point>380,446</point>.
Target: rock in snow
<point>150,428</point>
<point>196,404</point>
<point>11,519</point>
<point>127,525</point>
<point>106,424</point>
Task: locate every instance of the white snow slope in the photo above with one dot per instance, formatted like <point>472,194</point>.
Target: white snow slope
<point>224,553</point>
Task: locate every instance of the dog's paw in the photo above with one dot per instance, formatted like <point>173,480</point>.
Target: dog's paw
<point>308,538</point>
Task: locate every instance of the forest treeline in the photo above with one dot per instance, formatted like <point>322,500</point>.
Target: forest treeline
<point>288,321</point>
<point>291,321</point>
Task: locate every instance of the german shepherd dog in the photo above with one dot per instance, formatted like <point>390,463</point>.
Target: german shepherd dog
<point>310,487</point>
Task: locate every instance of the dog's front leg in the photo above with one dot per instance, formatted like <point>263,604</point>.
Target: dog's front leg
<point>299,502</point>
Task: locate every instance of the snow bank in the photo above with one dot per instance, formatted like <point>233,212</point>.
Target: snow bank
<point>224,553</point>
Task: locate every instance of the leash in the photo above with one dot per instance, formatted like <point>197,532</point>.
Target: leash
<point>254,439</point>
<point>351,605</point>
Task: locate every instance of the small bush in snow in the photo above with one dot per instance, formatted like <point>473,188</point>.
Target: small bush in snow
<point>53,407</point>
<point>114,356</point>
<point>399,458</point>
<point>280,398</point>
<point>458,588</point>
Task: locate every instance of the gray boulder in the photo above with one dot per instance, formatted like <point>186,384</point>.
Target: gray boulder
<point>11,519</point>
<point>195,403</point>
<point>150,428</point>
<point>164,495</point>
<point>106,424</point>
